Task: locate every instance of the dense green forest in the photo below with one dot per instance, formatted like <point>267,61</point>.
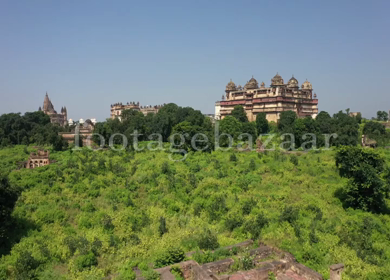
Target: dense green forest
<point>93,214</point>
<point>100,213</point>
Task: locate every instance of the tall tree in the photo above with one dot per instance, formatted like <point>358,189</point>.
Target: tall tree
<point>239,113</point>
<point>382,116</point>
<point>262,124</point>
<point>346,128</point>
<point>286,121</point>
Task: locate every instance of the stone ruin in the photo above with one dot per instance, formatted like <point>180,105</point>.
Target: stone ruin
<point>38,159</point>
<point>267,261</point>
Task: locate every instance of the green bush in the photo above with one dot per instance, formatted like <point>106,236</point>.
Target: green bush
<point>150,275</point>
<point>204,257</point>
<point>25,266</point>
<point>294,160</point>
<point>290,214</point>
<point>127,273</point>
<point>233,157</point>
<point>86,261</point>
<point>207,240</point>
<point>3,272</point>
<point>162,228</point>
<point>170,256</point>
<point>176,271</point>
<point>255,226</point>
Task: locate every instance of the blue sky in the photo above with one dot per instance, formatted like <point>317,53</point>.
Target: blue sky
<point>90,54</point>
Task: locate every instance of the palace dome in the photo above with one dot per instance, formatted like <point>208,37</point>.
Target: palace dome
<point>293,83</point>
<point>252,84</point>
<point>262,85</point>
<point>231,86</point>
<point>277,80</point>
<point>307,85</point>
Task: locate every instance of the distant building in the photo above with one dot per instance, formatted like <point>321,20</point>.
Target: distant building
<point>211,117</point>
<point>117,108</point>
<point>354,114</point>
<point>271,100</point>
<point>83,129</point>
<point>217,114</point>
<point>48,109</point>
<point>38,159</point>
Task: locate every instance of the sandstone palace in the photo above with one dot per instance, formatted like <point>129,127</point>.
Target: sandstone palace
<point>271,100</point>
<point>48,109</point>
<point>117,108</point>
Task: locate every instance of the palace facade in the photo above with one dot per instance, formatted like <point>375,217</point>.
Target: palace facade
<point>117,108</point>
<point>48,109</point>
<point>272,100</point>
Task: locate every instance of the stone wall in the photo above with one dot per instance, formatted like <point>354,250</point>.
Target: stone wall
<point>306,272</point>
<point>280,263</point>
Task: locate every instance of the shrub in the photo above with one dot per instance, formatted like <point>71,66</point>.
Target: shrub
<point>349,158</point>
<point>165,168</point>
<point>208,240</point>
<point>96,246</point>
<point>222,253</point>
<point>26,265</point>
<point>170,256</point>
<point>313,237</point>
<point>205,257</point>
<point>248,205</point>
<point>162,228</point>
<point>88,207</point>
<point>232,221</point>
<point>192,180</point>
<point>317,211</point>
<point>176,271</point>
<point>106,222</point>
<point>134,239</point>
<point>255,226</point>
<point>271,276</point>
<point>85,261</point>
<point>366,189</point>
<point>294,160</point>
<point>245,262</point>
<point>3,272</point>
<point>150,274</point>
<point>127,273</point>
<point>289,214</point>
<point>233,157</point>
<point>252,164</point>
<point>216,206</point>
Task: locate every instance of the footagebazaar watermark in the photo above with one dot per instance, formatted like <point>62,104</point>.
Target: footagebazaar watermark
<point>180,143</point>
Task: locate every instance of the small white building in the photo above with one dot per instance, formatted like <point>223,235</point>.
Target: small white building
<point>217,114</point>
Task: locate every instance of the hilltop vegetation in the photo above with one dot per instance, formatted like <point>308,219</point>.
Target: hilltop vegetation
<point>94,214</point>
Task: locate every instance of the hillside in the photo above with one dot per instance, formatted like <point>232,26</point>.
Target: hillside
<point>123,209</point>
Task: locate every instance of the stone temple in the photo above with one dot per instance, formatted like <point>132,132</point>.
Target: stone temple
<point>48,109</point>
<point>272,100</point>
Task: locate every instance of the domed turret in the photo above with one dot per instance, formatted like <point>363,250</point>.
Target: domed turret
<point>262,85</point>
<point>252,84</point>
<point>277,80</point>
<point>231,86</point>
<point>307,85</point>
<point>293,83</point>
